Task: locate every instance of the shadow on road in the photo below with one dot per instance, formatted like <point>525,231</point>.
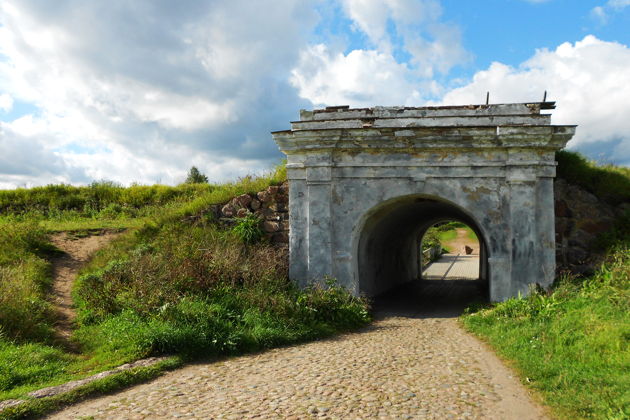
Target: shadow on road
<point>429,299</point>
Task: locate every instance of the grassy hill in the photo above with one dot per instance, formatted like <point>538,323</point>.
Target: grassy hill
<point>572,343</point>
<point>177,282</point>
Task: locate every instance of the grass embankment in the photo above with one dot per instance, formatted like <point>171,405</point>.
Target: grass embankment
<point>180,284</point>
<point>444,233</point>
<point>572,343</point>
<point>608,182</point>
<point>101,204</point>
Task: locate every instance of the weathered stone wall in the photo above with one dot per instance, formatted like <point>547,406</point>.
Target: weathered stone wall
<point>270,205</point>
<point>580,218</point>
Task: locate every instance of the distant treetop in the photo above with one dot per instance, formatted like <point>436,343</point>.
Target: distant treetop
<point>195,177</point>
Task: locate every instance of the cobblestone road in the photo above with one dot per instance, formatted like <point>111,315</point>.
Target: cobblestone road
<point>410,364</point>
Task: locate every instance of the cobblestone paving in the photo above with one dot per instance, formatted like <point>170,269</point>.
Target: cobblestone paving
<point>416,366</point>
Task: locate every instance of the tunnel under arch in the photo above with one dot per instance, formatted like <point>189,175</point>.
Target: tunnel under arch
<point>387,250</point>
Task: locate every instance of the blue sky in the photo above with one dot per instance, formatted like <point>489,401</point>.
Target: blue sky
<point>140,91</point>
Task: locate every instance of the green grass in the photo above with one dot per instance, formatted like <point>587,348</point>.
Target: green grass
<point>38,407</point>
<point>608,182</point>
<point>177,282</point>
<point>24,281</point>
<point>571,345</point>
<point>444,233</point>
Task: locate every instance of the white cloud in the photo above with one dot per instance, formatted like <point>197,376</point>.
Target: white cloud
<point>150,88</point>
<point>601,13</point>
<point>361,77</point>
<point>589,80</point>
<point>618,4</point>
<point>6,102</point>
<point>598,13</point>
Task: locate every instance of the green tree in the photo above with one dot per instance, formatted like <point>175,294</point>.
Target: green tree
<point>195,177</point>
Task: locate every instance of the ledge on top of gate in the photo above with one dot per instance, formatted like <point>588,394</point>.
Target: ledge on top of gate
<point>465,126</point>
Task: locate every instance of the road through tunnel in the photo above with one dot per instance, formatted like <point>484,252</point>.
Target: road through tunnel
<point>389,251</point>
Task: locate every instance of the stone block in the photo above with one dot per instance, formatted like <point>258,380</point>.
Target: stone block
<point>264,196</point>
<point>255,204</point>
<point>595,227</point>
<point>243,200</point>
<point>228,211</point>
<point>561,209</point>
<point>270,226</point>
<point>280,237</point>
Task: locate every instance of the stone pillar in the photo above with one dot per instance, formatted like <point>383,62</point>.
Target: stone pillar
<point>524,243</point>
<point>545,224</point>
<point>320,227</point>
<point>298,225</point>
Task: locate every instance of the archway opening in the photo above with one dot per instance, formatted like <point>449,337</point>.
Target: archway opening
<point>449,251</point>
<point>391,258</point>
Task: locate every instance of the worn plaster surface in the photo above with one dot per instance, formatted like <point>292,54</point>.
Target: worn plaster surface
<point>364,185</point>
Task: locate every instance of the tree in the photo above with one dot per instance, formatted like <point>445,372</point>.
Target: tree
<point>195,177</point>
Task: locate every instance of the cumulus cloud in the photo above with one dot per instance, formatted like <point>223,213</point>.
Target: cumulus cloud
<point>377,75</point>
<point>6,102</point>
<point>150,88</point>
<point>590,82</point>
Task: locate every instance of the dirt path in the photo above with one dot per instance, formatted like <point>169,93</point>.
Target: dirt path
<point>457,244</point>
<point>409,364</point>
<point>65,269</point>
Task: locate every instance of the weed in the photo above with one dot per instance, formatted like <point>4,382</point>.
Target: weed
<point>248,229</point>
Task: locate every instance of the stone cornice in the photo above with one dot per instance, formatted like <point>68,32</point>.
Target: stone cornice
<point>415,138</point>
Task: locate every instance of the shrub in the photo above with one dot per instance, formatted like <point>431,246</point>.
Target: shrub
<point>248,229</point>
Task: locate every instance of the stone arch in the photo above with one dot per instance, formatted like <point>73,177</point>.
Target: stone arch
<point>388,236</point>
<point>494,163</point>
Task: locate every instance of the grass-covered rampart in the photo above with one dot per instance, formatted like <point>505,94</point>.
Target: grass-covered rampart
<point>608,182</point>
<point>572,343</point>
<point>181,283</point>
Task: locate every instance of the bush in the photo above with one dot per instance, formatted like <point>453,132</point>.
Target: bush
<point>248,229</point>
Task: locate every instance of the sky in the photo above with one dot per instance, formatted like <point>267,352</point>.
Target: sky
<point>139,91</point>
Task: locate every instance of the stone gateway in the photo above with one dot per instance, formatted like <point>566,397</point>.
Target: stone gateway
<point>365,184</point>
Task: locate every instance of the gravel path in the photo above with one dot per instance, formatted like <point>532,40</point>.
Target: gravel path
<point>409,364</point>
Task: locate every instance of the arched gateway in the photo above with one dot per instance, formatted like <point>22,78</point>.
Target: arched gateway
<point>365,184</point>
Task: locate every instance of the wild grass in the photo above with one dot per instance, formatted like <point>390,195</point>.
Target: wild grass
<point>572,344</point>
<point>608,182</point>
<point>101,199</point>
<point>195,289</point>
<point>180,283</point>
<point>24,281</point>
